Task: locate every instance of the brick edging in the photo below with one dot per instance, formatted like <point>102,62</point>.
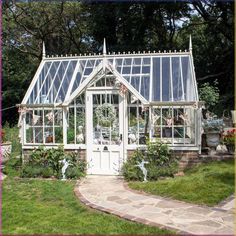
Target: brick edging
<point>122,215</point>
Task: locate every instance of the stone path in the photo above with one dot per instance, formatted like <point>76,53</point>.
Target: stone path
<point>109,194</point>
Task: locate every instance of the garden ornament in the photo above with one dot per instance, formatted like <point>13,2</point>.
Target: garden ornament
<point>132,138</point>
<point>80,138</point>
<point>143,169</point>
<point>64,167</point>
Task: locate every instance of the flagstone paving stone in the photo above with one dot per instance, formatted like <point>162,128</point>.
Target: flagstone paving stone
<point>109,194</point>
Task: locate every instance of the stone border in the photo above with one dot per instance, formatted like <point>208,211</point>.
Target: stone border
<point>123,215</point>
<point>216,208</point>
<point>227,200</point>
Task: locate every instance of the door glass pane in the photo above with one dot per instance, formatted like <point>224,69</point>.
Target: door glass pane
<point>106,119</point>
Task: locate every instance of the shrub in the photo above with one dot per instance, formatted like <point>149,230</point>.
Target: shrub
<point>47,172</point>
<point>209,94</point>
<point>46,163</point>
<point>74,172</point>
<point>12,166</point>
<point>29,171</point>
<point>160,160</point>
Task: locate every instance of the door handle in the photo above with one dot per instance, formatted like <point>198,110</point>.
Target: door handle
<point>120,137</point>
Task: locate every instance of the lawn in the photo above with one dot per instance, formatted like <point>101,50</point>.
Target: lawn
<point>50,207</point>
<point>207,184</point>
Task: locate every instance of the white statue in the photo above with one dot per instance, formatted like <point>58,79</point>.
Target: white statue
<point>64,167</point>
<point>132,138</point>
<point>80,136</point>
<point>143,169</point>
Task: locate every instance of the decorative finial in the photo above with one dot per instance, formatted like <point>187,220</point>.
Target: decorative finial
<point>190,43</point>
<point>44,51</point>
<point>104,47</point>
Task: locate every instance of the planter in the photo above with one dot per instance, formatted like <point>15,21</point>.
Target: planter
<point>233,116</point>
<point>6,151</point>
<point>230,148</point>
<point>212,139</point>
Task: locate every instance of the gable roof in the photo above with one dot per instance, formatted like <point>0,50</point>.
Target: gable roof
<point>154,76</point>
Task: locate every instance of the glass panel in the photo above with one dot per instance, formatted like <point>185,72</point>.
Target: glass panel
<point>146,61</point>
<point>145,86</point>
<point>176,79</point>
<point>105,130</point>
<point>37,123</point>
<point>48,81</point>
<point>28,127</point>
<point>189,89</point>
<point>137,61</point>
<point>166,85</point>
<point>156,80</point>
<point>39,82</point>
<point>80,125</point>
<point>190,125</point>
<point>145,69</point>
<point>132,125</point>
<point>126,70</point>
<point>138,127</point>
<point>58,126</point>
<point>167,123</point>
<point>136,69</point>
<point>135,82</point>
<point>48,126</point>
<point>71,126</point>
<point>179,125</point>
<point>127,61</point>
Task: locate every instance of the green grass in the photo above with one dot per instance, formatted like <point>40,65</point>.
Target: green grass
<point>50,207</point>
<point>207,184</point>
<point>12,135</point>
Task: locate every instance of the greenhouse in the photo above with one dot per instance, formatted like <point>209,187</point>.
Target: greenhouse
<point>107,105</point>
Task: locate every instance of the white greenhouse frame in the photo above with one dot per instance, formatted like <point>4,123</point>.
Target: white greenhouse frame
<point>157,81</point>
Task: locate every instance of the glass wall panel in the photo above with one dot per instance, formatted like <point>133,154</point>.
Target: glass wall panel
<point>174,125</point>
<point>176,79</point>
<point>138,122</point>
<point>156,79</point>
<point>71,125</point>
<point>166,83</point>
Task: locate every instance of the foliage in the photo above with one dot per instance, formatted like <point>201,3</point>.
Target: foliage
<point>12,135</point>
<point>229,138</point>
<point>160,163</point>
<point>13,166</point>
<point>46,163</point>
<point>70,135</point>
<point>207,184</point>
<point>209,94</point>
<point>32,207</point>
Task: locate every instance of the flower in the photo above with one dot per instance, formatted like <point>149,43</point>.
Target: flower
<point>229,137</point>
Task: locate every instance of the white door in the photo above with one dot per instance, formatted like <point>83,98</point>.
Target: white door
<point>104,132</point>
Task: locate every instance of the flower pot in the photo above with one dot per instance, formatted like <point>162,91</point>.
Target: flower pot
<point>233,116</point>
<point>231,148</point>
<point>6,151</point>
<point>212,139</point>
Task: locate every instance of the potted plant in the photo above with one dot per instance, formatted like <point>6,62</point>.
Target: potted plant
<point>213,127</point>
<point>229,138</point>
<point>6,146</point>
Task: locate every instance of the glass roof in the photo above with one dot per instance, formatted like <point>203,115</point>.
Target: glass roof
<point>161,77</point>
